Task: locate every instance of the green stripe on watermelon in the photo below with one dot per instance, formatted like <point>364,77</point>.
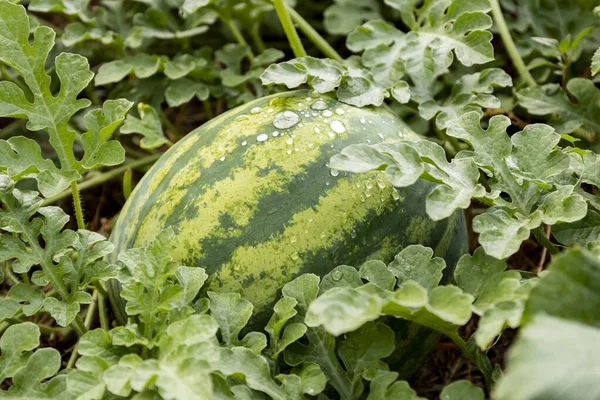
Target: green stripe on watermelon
<point>255,205</point>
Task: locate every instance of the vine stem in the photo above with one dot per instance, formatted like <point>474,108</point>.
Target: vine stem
<point>289,29</point>
<point>544,241</point>
<point>77,205</point>
<point>511,48</point>
<point>474,354</point>
<point>105,177</point>
<point>238,36</point>
<point>314,36</point>
<point>87,324</point>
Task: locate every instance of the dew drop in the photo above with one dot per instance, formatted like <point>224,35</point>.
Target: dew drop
<point>222,158</point>
<point>255,110</point>
<point>339,111</point>
<point>275,134</point>
<point>334,172</point>
<point>262,137</point>
<point>310,220</point>
<point>327,113</point>
<point>381,135</point>
<point>368,185</point>
<point>293,239</point>
<point>289,140</point>
<point>400,134</point>
<point>317,129</point>
<point>296,149</point>
<point>353,233</point>
<point>327,183</point>
<point>294,256</point>
<point>285,120</point>
<point>244,143</point>
<point>381,184</point>
<point>395,194</point>
<point>337,126</point>
<point>289,151</point>
<point>331,134</point>
<point>319,105</point>
<point>362,120</point>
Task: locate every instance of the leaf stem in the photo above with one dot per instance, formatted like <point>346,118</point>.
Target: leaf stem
<point>255,35</point>
<point>289,28</point>
<point>472,352</point>
<point>87,323</point>
<point>544,241</point>
<point>103,313</point>
<point>77,205</point>
<point>238,35</point>
<point>127,185</point>
<point>509,44</point>
<point>105,177</point>
<point>314,36</point>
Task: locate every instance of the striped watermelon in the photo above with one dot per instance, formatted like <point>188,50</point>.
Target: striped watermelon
<point>252,201</point>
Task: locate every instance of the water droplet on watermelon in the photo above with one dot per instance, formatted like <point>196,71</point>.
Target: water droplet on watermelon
<point>336,275</point>
<point>327,113</point>
<point>319,105</point>
<point>255,110</point>
<point>262,137</point>
<point>244,143</point>
<point>286,119</point>
<point>294,256</point>
<point>334,172</point>
<point>337,126</point>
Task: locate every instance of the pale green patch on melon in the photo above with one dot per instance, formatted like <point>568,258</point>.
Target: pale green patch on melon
<point>420,228</point>
<point>278,260</point>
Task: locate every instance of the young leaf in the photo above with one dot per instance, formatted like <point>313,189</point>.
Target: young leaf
<point>596,62</point>
<point>470,93</point>
<point>148,125</point>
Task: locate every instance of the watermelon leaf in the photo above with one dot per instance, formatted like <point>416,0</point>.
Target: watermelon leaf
<point>462,390</point>
<point>148,125</point>
<point>530,180</point>
<point>553,358</point>
<point>69,260</point>
<point>51,112</point>
<point>570,116</point>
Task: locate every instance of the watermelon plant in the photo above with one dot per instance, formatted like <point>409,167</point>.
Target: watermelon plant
<point>349,199</point>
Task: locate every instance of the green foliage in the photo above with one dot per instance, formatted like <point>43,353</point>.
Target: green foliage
<point>68,260</point>
<point>49,112</point>
<point>431,62</point>
<point>530,181</point>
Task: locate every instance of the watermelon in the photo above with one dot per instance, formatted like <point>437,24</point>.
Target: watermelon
<point>252,200</point>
